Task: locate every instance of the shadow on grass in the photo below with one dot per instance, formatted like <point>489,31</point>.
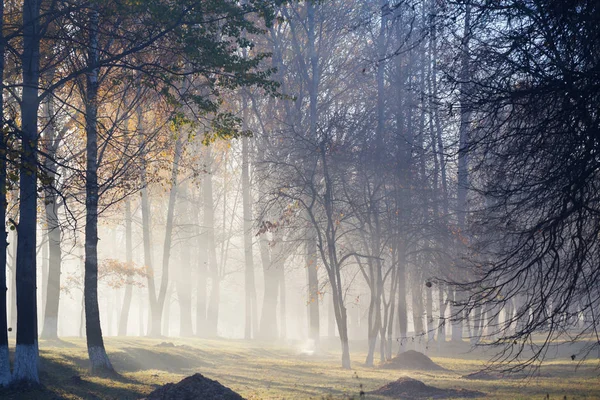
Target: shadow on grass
<point>132,359</point>
<point>62,378</point>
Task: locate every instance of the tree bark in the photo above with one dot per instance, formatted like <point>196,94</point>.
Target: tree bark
<point>402,307</point>
<point>184,279</point>
<point>201,269</point>
<point>282,303</point>
<point>313,287</point>
<point>417,308</point>
<point>26,354</point>
<point>456,317</point>
<point>50,328</point>
<point>95,343</point>
<point>14,239</point>
<point>4,353</point>
<point>463,162</point>
<point>250,288</point>
<point>157,311</point>
<point>147,239</point>
<point>213,267</point>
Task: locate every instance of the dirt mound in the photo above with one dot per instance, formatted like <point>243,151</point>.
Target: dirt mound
<point>412,360</point>
<point>192,388</point>
<point>408,388</point>
<point>164,344</point>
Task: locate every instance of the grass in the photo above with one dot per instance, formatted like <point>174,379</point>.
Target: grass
<point>273,371</point>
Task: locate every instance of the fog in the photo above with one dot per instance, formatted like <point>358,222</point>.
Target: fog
<point>293,197</point>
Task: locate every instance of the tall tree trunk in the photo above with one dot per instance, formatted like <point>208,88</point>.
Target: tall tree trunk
<point>268,316</point>
<point>4,354</point>
<point>42,304</point>
<point>166,317</point>
<point>95,343</point>
<point>26,354</point>
<point>311,236</point>
<point>417,308</point>
<point>282,303</point>
<point>429,313</point>
<point>141,303</point>
<point>463,162</point>
<point>164,279</point>
<point>313,287</point>
<point>184,279</point>
<point>148,259</point>
<point>250,288</point>
<point>376,289</point>
<point>50,328</point>
<point>13,239</point>
<point>402,294</point>
<point>442,318</point>
<point>124,317</point>
<point>201,269</point>
<point>213,267</point>
<point>392,307</point>
<point>456,317</point>
<point>330,318</point>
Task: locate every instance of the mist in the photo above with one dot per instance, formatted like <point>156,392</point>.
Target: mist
<point>299,199</point>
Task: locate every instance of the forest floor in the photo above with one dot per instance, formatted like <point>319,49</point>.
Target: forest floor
<point>274,371</point>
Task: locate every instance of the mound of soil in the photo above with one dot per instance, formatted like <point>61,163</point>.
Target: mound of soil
<point>408,388</point>
<point>192,388</point>
<point>164,344</point>
<point>412,360</point>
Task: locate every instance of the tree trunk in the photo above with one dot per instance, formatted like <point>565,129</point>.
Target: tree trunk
<point>282,303</point>
<point>166,317</point>
<point>164,279</point>
<point>442,321</point>
<point>429,311</point>
<point>213,267</point>
<point>42,304</point>
<point>402,308</point>
<point>184,279</point>
<point>124,317</point>
<point>4,354</point>
<point>148,259</point>
<point>268,316</point>
<point>463,162</point>
<point>141,329</point>
<point>26,354</point>
<point>250,288</point>
<point>201,269</point>
<point>342,323</point>
<point>13,238</point>
<point>376,289</point>
<point>95,343</point>
<point>313,287</point>
<point>456,316</point>
<point>417,309</point>
<point>330,318</point>
<point>392,312</point>
<point>50,328</point>
<point>311,235</point>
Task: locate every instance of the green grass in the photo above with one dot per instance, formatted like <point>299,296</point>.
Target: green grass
<point>271,371</point>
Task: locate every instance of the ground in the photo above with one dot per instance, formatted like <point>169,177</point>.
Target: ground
<point>275,371</point>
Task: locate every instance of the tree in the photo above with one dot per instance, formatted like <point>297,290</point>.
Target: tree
<point>535,173</point>
<point>26,353</point>
<point>4,355</point>
<point>124,317</point>
<point>95,343</point>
